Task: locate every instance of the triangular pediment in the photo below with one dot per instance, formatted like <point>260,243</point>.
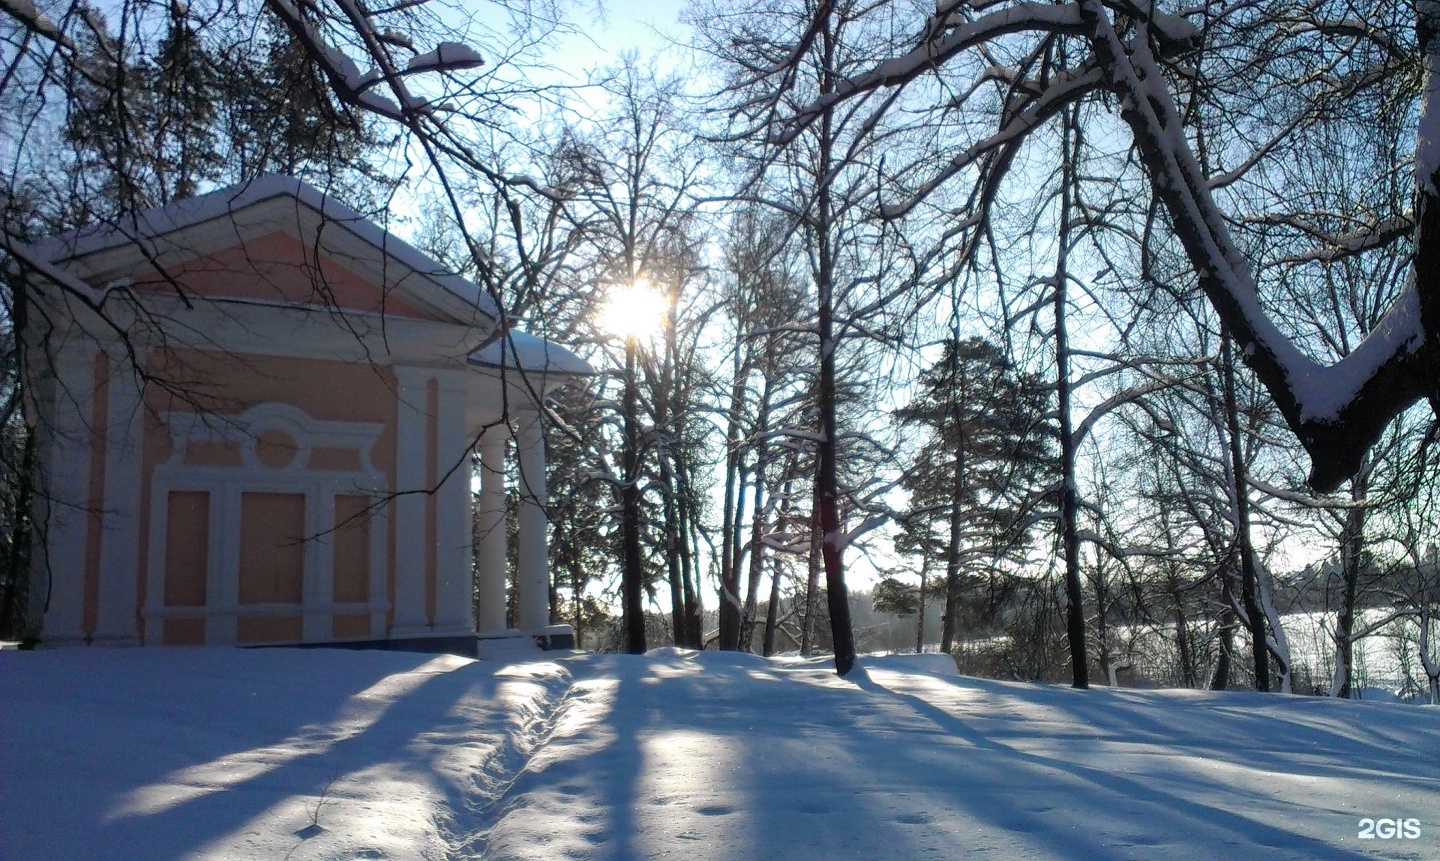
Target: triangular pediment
<point>274,239</point>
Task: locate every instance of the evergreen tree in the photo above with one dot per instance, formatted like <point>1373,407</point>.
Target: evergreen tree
<point>892,596</point>
<point>107,124</point>
<point>149,124</point>
<point>284,118</point>
<point>185,87</point>
<point>980,470</point>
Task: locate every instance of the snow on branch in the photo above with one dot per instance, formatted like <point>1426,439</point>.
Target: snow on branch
<point>22,256</point>
<point>1235,174</point>
<point>344,74</point>
<point>1338,246</point>
<point>1301,498</point>
<point>1336,411</point>
<point>843,539</point>
<point>447,57</point>
<point>936,50</point>
<point>1122,552</point>
<point>34,21</point>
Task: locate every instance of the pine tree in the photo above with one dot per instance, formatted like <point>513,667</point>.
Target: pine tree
<point>107,124</point>
<point>980,470</point>
<point>150,124</point>
<point>185,89</point>
<point>284,118</point>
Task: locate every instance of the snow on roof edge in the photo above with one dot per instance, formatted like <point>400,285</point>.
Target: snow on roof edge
<point>149,224</point>
<point>525,352</point>
<point>21,256</point>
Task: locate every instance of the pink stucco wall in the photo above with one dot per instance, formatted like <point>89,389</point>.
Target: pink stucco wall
<point>278,268</point>
<point>326,390</point>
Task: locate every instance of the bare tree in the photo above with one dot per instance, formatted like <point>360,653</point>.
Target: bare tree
<point>636,203</point>
<point>1143,57</point>
<point>859,269</point>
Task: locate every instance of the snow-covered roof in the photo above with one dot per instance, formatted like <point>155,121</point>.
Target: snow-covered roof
<point>520,351</point>
<point>155,232</point>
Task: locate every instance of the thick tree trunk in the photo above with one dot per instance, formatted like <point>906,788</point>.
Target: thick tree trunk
<point>694,636</point>
<point>1427,207</point>
<point>1428,664</point>
<point>632,578</point>
<point>1102,628</point>
<point>832,531</point>
<point>920,599</point>
<point>14,621</point>
<point>1240,501</point>
<point>952,555</point>
<point>1070,540</point>
<point>1069,500</point>
<point>1069,517</point>
<point>757,547</point>
<point>1182,647</point>
<point>832,544</point>
<point>757,514</point>
<point>577,606</point>
<point>1221,678</point>
<point>956,418</point>
<point>772,613</point>
<point>672,562</point>
<point>674,538</point>
<point>734,486</point>
<point>1352,560</point>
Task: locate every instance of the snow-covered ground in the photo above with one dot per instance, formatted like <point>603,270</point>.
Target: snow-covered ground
<point>279,754</point>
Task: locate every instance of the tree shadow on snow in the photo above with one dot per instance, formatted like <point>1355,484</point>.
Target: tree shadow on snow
<point>300,765</point>
<point>1102,814</point>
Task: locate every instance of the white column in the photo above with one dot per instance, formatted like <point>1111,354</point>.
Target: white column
<point>116,619</point>
<point>491,562</point>
<point>533,577</point>
<point>410,455</point>
<point>454,511</point>
<point>67,472</point>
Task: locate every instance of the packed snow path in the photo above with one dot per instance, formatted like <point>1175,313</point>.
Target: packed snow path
<point>211,753</point>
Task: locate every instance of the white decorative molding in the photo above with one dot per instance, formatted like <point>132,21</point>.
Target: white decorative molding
<point>247,427</point>
<point>226,486</point>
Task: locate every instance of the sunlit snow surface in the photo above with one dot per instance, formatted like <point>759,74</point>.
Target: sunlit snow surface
<point>216,753</point>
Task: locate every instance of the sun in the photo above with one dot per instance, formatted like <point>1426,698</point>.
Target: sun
<point>635,311</point>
